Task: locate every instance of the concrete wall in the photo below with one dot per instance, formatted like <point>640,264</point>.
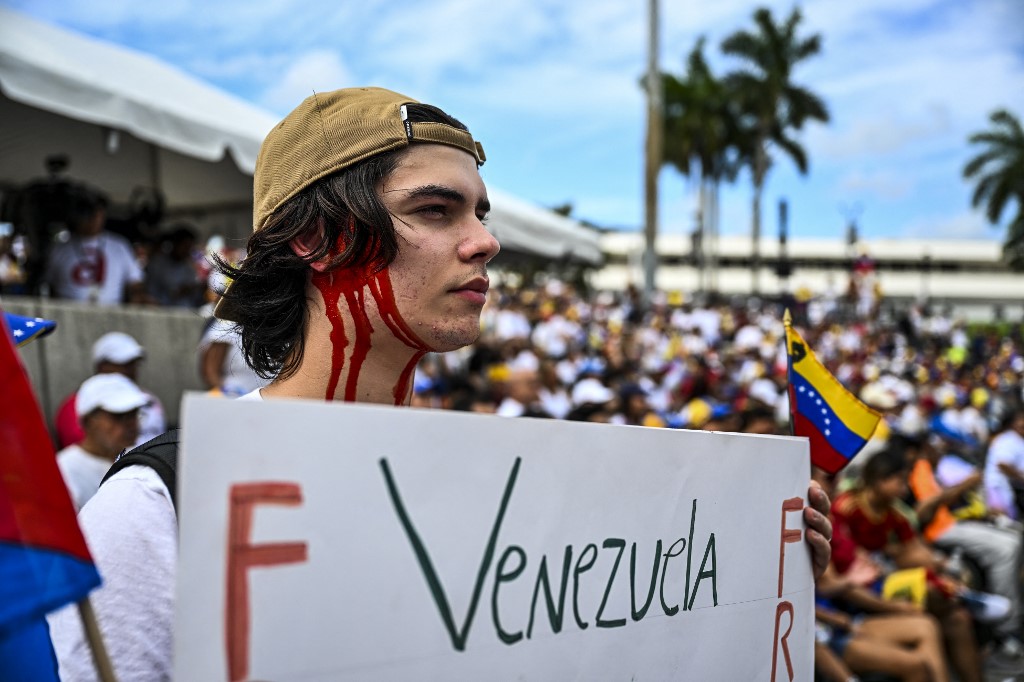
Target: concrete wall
<point>58,363</point>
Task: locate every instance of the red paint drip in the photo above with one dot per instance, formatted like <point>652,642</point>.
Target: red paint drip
<point>402,387</point>
<point>357,305</point>
<point>384,295</point>
<point>349,282</point>
<point>331,291</point>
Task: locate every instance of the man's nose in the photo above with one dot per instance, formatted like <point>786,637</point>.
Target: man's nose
<point>480,245</point>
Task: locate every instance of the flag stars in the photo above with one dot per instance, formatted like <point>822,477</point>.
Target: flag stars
<point>30,324</point>
<point>827,421</point>
<point>827,432</point>
<point>802,389</point>
<point>824,411</point>
<point>18,333</point>
<point>810,393</point>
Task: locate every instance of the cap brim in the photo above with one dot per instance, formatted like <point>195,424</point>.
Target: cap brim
<point>124,404</point>
<point>226,309</point>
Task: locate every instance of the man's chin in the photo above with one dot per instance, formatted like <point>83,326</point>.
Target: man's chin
<point>447,340</point>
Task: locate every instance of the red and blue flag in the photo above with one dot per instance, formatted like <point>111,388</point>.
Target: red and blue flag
<point>44,561</point>
<point>822,410</point>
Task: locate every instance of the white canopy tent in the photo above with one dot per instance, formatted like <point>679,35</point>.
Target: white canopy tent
<point>127,120</point>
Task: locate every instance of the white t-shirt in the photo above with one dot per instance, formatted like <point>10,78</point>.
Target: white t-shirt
<point>94,269</point>
<point>132,532</point>
<point>82,472</point>
<point>239,379</point>
<point>1006,448</point>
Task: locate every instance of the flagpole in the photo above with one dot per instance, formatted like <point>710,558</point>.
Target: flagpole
<point>100,658</point>
<point>787,322</point>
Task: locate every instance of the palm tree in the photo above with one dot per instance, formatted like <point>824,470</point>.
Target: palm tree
<point>999,170</point>
<point>772,104</point>
<point>702,137</point>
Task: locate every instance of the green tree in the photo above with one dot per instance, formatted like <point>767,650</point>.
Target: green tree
<point>703,139</point>
<point>772,104</point>
<point>999,173</point>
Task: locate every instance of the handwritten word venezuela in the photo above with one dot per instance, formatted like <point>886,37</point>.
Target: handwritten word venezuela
<point>514,562</point>
<point>244,555</point>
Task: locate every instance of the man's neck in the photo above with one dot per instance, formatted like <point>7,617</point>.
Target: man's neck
<point>343,360</point>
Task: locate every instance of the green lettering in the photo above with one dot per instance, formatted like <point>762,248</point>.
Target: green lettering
<point>582,566</point>
<point>713,573</point>
<point>500,577</point>
<point>618,623</point>
<point>637,615</point>
<point>458,635</point>
<point>669,610</point>
<point>554,614</point>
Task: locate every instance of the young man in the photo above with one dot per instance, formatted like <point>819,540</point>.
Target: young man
<point>368,251</point>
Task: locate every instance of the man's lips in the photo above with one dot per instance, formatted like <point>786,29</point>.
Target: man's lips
<point>474,290</point>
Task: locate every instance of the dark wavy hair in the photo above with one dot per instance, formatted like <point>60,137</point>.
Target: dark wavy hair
<point>267,296</point>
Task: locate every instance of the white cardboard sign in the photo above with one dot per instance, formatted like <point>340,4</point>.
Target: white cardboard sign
<point>351,542</point>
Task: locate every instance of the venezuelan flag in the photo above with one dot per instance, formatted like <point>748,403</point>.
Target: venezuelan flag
<point>822,410</point>
<point>44,561</point>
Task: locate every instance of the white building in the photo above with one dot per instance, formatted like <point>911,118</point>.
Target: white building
<point>966,274</point>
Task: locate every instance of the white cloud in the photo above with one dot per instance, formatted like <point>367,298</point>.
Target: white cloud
<point>311,72</point>
<point>886,184</point>
<point>964,225</point>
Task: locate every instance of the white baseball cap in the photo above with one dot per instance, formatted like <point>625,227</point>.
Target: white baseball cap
<point>116,347</point>
<point>114,393</point>
<point>591,391</point>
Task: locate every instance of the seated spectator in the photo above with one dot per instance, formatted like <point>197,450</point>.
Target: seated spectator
<point>109,408</point>
<point>907,646</point>
<point>521,395</point>
<point>1004,466</point>
<point>867,516</point>
<point>635,410</point>
<point>995,550</point>
<point>222,365</point>
<point>113,353</point>
<point>93,265</point>
<point>171,276</point>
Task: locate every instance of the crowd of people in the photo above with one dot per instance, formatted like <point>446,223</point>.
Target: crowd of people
<point>930,506</point>
<point>938,489</point>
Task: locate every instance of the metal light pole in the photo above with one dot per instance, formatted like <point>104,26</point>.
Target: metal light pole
<point>652,155</point>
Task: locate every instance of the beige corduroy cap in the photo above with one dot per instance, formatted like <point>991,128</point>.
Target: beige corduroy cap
<point>331,131</point>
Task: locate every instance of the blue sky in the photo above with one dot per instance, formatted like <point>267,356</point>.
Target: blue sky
<point>550,87</point>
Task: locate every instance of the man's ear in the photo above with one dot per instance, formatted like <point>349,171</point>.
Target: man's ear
<point>305,244</point>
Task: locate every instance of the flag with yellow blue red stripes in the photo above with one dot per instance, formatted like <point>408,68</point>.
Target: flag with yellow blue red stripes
<point>837,424</point>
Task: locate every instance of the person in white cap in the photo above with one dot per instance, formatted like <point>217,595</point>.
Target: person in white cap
<point>119,353</point>
<point>109,407</point>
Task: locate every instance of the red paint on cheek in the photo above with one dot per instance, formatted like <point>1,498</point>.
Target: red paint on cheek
<point>384,295</point>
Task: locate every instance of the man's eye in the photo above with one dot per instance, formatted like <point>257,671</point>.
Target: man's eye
<point>435,211</point>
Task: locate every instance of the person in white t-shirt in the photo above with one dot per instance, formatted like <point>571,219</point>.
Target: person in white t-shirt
<point>93,265</point>
<point>1004,466</point>
<point>108,405</point>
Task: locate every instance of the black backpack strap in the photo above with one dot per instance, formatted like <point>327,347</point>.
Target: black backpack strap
<point>160,454</point>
